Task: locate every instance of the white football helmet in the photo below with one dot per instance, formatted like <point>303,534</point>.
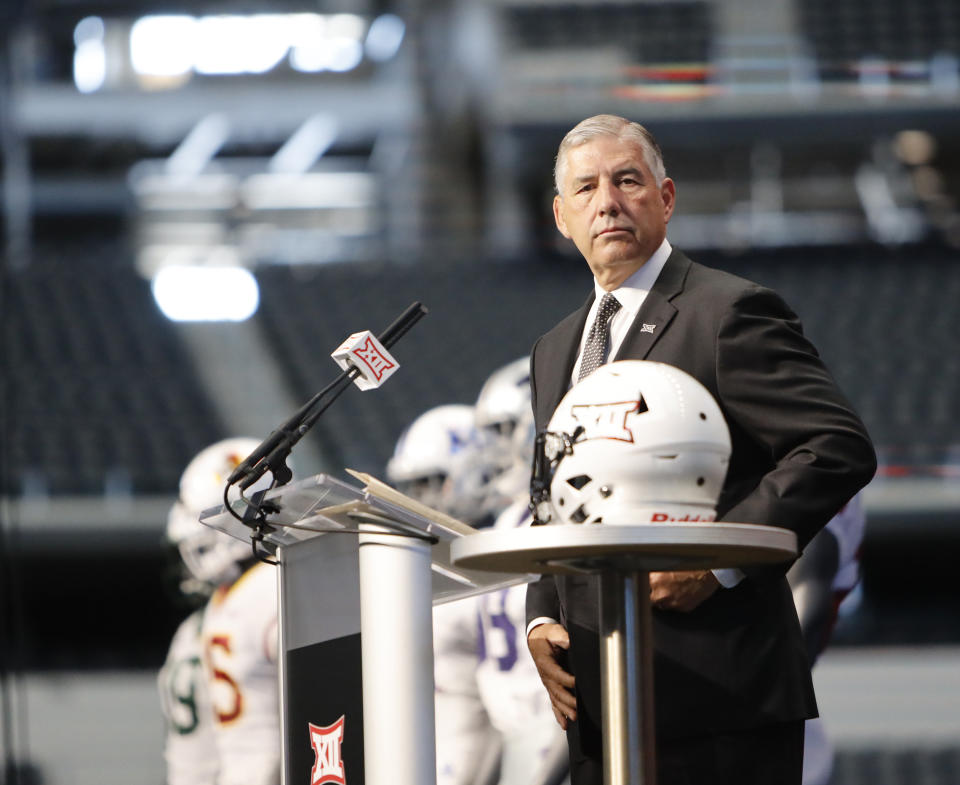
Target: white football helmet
<point>210,555</point>
<point>438,461</point>
<point>635,442</point>
<point>503,409</point>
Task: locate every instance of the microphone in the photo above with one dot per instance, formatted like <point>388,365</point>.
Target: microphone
<point>272,451</point>
<point>415,311</point>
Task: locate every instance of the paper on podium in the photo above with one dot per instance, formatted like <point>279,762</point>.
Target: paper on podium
<point>322,505</point>
<point>389,494</point>
<point>449,582</point>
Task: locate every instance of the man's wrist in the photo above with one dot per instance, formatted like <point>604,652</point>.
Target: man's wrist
<point>533,623</point>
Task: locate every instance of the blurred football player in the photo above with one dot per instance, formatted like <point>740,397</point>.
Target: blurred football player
<point>437,461</point>
<point>238,631</point>
<point>820,580</point>
<point>503,402</point>
<point>189,751</point>
<point>534,748</point>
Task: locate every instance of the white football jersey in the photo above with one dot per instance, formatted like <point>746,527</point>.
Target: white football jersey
<point>188,751</point>
<point>848,527</point>
<point>464,734</point>
<point>455,647</point>
<point>510,687</point>
<point>817,754</point>
<point>240,660</point>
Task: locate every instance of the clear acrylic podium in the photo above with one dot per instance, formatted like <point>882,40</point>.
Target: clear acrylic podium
<point>623,557</point>
<point>359,569</point>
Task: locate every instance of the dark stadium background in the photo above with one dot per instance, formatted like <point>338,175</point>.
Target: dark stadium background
<point>816,148</point>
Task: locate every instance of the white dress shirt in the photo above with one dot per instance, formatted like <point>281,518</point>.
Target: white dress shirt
<point>630,294</point>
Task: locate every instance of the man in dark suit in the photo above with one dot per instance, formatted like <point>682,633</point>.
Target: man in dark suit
<point>732,682</point>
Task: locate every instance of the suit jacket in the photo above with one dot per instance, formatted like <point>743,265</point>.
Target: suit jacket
<point>799,453</point>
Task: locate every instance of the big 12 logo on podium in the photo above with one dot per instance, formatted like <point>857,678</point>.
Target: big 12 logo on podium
<point>328,762</point>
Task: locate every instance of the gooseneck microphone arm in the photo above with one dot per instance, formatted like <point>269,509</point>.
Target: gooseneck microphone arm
<point>272,452</point>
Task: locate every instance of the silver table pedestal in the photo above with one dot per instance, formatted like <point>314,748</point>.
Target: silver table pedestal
<point>623,557</point>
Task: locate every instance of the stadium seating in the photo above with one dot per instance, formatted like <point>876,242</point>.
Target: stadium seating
<point>103,392</point>
<point>99,392</point>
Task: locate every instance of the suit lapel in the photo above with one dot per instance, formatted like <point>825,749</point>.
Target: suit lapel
<point>657,311</point>
<point>555,371</point>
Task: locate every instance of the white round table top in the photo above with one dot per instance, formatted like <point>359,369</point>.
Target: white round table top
<point>571,548</point>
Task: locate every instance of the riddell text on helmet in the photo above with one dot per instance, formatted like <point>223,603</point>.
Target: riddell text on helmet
<point>660,517</point>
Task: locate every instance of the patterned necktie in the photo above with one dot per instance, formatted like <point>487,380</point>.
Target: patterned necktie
<point>598,339</point>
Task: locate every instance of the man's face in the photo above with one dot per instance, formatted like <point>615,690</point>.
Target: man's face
<point>611,207</point>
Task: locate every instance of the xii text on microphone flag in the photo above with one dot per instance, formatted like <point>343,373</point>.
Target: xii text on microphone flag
<point>365,353</point>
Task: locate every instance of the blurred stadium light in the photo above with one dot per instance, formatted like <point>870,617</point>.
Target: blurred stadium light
<point>215,292</point>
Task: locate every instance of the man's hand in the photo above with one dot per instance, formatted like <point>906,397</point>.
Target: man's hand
<point>544,642</point>
<point>681,591</point>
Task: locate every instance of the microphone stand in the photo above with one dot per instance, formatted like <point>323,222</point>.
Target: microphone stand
<point>272,452</point>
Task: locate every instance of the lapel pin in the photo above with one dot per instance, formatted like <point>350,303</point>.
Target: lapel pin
<point>648,328</point>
